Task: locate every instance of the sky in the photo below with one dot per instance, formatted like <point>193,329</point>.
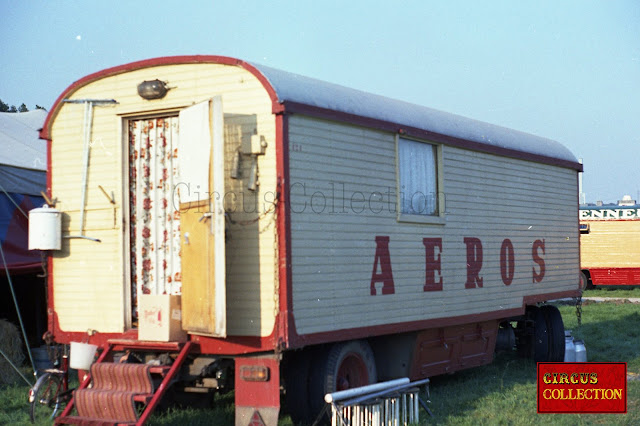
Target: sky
<point>566,70</point>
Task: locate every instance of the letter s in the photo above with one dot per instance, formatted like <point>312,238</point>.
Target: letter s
<point>538,275</point>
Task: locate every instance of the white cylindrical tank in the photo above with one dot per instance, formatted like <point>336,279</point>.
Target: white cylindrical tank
<point>569,347</point>
<point>45,229</point>
<point>581,351</point>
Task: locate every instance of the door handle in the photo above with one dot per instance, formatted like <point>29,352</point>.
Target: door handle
<point>205,216</point>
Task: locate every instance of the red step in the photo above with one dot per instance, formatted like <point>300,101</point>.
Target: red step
<point>123,393</point>
<point>77,420</point>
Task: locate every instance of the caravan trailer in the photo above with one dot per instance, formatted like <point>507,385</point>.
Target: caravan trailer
<point>610,245</point>
<point>239,227</point>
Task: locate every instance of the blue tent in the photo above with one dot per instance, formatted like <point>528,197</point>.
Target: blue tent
<point>23,161</point>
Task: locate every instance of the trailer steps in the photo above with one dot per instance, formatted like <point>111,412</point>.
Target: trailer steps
<point>123,393</point>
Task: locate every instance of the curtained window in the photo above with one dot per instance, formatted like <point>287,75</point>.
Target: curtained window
<point>418,178</point>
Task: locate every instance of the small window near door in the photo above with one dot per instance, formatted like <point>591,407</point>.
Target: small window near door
<point>418,178</point>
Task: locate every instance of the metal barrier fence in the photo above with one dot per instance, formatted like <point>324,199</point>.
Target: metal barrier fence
<point>391,403</point>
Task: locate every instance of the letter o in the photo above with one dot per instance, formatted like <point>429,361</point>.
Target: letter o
<point>507,261</point>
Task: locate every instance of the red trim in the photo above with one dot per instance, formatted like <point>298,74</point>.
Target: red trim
<point>285,322</point>
<point>615,276</point>
<point>45,133</point>
<point>379,330</point>
<point>327,114</point>
<point>539,298</point>
<point>234,345</point>
<point>49,168</point>
<point>609,220</point>
<point>231,345</point>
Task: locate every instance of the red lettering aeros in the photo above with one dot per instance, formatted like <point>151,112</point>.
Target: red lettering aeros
<point>433,252</point>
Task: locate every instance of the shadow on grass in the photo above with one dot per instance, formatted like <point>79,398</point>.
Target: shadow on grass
<point>465,390</point>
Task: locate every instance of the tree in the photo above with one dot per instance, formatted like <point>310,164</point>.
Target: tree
<point>22,108</point>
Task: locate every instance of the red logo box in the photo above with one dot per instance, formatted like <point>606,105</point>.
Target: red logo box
<point>582,387</point>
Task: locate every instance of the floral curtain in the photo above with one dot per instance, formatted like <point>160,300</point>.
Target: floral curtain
<point>155,220</point>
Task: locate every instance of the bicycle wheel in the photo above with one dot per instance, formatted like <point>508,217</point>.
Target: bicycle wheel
<point>44,397</point>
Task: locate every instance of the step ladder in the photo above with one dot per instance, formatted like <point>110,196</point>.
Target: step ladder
<point>123,393</point>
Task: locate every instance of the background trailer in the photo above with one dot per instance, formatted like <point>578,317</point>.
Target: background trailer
<point>308,236</point>
<point>610,245</point>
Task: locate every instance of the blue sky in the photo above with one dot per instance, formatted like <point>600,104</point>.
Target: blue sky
<point>566,70</point>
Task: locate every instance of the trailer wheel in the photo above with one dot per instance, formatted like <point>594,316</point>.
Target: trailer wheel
<point>555,326</point>
<point>350,365</point>
<point>346,365</point>
<point>585,283</point>
<point>540,336</point>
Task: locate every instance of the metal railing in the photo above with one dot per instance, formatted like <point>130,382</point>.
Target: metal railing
<point>391,403</point>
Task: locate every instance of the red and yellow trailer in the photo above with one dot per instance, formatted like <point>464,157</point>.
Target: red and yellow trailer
<point>610,245</point>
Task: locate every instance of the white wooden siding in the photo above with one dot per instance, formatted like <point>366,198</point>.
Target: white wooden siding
<point>487,197</point>
<point>90,278</point>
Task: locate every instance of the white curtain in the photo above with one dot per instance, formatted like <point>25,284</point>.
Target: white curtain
<point>155,219</point>
<point>418,177</point>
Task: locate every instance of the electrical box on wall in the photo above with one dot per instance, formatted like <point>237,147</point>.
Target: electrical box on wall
<point>258,144</point>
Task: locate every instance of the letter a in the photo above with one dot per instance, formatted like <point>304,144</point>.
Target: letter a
<point>382,258</point>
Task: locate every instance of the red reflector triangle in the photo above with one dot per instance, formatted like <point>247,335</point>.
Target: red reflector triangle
<point>256,420</point>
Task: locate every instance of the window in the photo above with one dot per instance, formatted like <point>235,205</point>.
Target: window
<point>418,179</point>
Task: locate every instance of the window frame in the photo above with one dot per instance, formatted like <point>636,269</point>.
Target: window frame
<point>438,218</point>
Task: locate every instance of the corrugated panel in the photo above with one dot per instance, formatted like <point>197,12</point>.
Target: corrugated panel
<point>344,195</point>
<point>611,244</point>
<point>89,278</point>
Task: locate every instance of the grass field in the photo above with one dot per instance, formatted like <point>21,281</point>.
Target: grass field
<point>501,393</point>
<point>613,291</point>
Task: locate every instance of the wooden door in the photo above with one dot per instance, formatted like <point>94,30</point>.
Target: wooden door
<point>202,221</point>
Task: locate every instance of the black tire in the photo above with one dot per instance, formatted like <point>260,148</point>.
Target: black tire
<point>43,398</point>
<point>345,365</point>
<point>297,387</point>
<point>555,326</point>
<point>585,282</point>
<point>540,336</point>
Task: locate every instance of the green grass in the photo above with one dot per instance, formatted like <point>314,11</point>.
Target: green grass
<point>501,393</point>
<point>505,391</point>
<point>614,291</point>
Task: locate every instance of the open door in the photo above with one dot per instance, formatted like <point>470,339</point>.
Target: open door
<point>202,218</point>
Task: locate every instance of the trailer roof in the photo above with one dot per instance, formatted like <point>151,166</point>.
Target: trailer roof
<point>292,93</point>
<point>299,89</point>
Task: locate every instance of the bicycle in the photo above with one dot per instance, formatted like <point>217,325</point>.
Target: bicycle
<point>51,391</point>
